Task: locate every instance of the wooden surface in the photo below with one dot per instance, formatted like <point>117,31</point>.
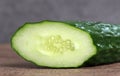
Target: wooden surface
<point>13,65</point>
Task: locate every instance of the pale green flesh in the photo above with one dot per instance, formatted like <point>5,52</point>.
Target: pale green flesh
<point>53,44</point>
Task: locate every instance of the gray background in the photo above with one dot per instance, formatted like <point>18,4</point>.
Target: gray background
<point>13,13</point>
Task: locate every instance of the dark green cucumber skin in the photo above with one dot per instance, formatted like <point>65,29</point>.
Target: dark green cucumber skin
<point>106,37</point>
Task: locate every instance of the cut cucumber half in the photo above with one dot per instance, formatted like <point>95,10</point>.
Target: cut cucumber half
<point>53,44</point>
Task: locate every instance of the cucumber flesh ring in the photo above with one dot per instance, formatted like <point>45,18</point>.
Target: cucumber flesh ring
<point>53,44</point>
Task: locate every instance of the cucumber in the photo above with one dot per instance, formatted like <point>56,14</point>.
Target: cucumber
<point>53,44</point>
<point>106,38</point>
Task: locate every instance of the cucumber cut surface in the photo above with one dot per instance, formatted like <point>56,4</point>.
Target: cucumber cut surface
<point>53,44</point>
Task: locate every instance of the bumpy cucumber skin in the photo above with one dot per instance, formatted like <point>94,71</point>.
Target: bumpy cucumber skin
<point>106,37</point>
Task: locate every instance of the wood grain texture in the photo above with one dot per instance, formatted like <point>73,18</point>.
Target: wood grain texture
<point>13,65</point>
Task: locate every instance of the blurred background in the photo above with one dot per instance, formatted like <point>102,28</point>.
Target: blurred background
<point>14,13</point>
